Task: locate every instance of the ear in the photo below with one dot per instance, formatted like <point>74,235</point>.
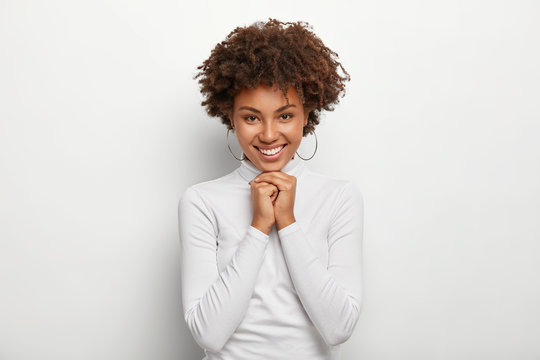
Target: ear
<point>229,115</point>
<point>306,116</point>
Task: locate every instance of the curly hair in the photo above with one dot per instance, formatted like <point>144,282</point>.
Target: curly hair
<point>282,54</point>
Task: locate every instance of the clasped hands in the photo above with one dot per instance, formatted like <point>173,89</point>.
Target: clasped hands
<point>272,198</point>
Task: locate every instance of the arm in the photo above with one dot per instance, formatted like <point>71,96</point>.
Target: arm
<point>330,295</point>
<point>214,303</point>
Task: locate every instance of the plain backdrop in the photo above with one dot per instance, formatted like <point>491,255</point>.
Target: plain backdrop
<point>101,130</point>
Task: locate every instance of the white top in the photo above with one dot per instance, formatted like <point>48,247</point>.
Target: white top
<point>292,294</point>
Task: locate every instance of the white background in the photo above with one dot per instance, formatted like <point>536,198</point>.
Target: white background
<point>101,130</point>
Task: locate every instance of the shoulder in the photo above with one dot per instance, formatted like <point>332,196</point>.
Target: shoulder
<point>339,187</point>
<point>210,189</point>
<point>343,199</point>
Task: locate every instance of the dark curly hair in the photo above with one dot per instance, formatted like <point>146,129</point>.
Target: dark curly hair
<point>283,54</point>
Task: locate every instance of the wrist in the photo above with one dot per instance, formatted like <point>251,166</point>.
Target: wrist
<point>282,223</point>
<point>265,228</point>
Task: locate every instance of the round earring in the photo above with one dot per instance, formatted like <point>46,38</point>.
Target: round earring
<point>316,146</point>
<point>242,158</point>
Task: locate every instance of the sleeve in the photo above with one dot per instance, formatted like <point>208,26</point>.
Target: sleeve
<point>214,303</point>
<point>331,296</point>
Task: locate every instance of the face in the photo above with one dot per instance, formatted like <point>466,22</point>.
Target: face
<point>269,130</point>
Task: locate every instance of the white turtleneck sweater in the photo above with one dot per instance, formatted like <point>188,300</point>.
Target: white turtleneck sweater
<point>293,294</point>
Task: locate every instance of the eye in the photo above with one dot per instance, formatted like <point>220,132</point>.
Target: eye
<point>285,116</point>
<point>250,118</point>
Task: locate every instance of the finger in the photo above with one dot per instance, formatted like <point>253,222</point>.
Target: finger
<point>261,184</point>
<point>268,189</point>
<point>273,175</point>
<point>282,182</point>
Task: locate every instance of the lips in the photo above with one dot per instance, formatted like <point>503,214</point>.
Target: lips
<point>269,151</point>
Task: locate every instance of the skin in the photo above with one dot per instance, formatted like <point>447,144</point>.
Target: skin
<point>262,117</point>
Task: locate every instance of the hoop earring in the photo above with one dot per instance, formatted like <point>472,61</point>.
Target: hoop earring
<point>242,158</point>
<point>316,146</point>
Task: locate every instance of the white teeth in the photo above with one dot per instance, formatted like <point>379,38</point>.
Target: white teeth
<point>271,152</point>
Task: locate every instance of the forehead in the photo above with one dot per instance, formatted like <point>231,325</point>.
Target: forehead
<point>265,96</point>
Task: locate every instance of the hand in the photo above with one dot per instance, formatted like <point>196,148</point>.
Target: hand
<point>284,203</point>
<point>263,195</point>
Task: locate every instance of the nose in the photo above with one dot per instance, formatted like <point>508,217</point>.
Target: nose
<point>269,132</point>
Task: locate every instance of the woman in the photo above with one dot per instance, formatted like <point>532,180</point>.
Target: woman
<point>271,252</point>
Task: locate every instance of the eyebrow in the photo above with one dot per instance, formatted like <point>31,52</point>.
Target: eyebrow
<point>258,111</point>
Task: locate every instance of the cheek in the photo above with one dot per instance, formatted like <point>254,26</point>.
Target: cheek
<point>297,132</point>
<point>243,136</point>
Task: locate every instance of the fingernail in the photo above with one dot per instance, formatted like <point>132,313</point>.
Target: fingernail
<point>256,179</point>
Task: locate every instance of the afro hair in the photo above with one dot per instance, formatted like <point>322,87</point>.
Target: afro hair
<point>282,54</point>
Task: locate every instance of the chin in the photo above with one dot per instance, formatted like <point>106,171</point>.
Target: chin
<point>273,166</point>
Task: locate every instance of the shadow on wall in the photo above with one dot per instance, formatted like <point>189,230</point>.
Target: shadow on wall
<point>207,151</point>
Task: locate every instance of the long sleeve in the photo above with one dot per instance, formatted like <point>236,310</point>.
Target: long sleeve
<point>330,295</point>
<point>214,302</point>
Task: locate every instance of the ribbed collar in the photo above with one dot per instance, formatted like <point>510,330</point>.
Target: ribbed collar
<point>248,171</point>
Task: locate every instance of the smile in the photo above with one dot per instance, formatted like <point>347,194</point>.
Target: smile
<point>272,151</point>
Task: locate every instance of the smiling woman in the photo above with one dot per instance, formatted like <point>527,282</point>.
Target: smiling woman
<point>271,252</point>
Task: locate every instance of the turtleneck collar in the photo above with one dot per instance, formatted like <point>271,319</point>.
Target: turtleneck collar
<point>294,167</point>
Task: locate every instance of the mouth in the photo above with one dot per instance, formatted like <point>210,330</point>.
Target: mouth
<point>271,153</point>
